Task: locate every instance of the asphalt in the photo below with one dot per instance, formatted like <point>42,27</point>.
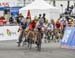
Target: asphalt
<point>9,49</point>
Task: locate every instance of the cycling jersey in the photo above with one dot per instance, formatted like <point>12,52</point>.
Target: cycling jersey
<point>32,25</point>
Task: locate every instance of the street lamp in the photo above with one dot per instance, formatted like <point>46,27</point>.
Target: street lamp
<point>62,7</point>
<point>68,4</point>
<point>24,2</point>
<point>54,3</point>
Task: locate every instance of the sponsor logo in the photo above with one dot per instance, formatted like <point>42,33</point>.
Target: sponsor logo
<point>10,33</point>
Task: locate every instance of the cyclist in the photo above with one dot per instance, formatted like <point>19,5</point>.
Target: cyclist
<point>31,28</point>
<point>24,25</point>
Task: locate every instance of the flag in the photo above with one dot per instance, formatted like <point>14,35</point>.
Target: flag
<point>29,14</point>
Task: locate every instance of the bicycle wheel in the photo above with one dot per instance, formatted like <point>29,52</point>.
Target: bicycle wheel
<point>39,41</point>
<point>30,41</point>
<point>25,40</point>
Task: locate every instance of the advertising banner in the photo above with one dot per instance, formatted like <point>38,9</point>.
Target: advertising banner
<point>9,32</point>
<point>68,40</point>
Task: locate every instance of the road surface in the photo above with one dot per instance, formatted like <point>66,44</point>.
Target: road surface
<point>9,49</point>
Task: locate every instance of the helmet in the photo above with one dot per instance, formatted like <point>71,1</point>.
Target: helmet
<point>46,20</point>
<point>35,18</point>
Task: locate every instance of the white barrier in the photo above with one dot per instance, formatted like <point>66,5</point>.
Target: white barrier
<point>9,33</point>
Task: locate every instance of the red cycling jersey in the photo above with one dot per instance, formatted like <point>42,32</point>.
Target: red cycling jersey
<point>32,25</point>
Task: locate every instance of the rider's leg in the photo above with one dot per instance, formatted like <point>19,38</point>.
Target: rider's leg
<point>28,34</point>
<point>32,36</point>
<point>25,33</point>
<point>20,37</point>
<point>35,37</point>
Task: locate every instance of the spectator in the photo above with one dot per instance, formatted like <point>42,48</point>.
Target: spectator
<point>17,19</point>
<point>70,23</point>
<point>2,21</point>
<point>11,19</point>
<point>39,16</point>
<point>58,24</point>
<point>44,17</point>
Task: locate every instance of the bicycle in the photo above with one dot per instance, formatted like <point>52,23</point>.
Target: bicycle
<point>39,40</point>
<point>30,40</point>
